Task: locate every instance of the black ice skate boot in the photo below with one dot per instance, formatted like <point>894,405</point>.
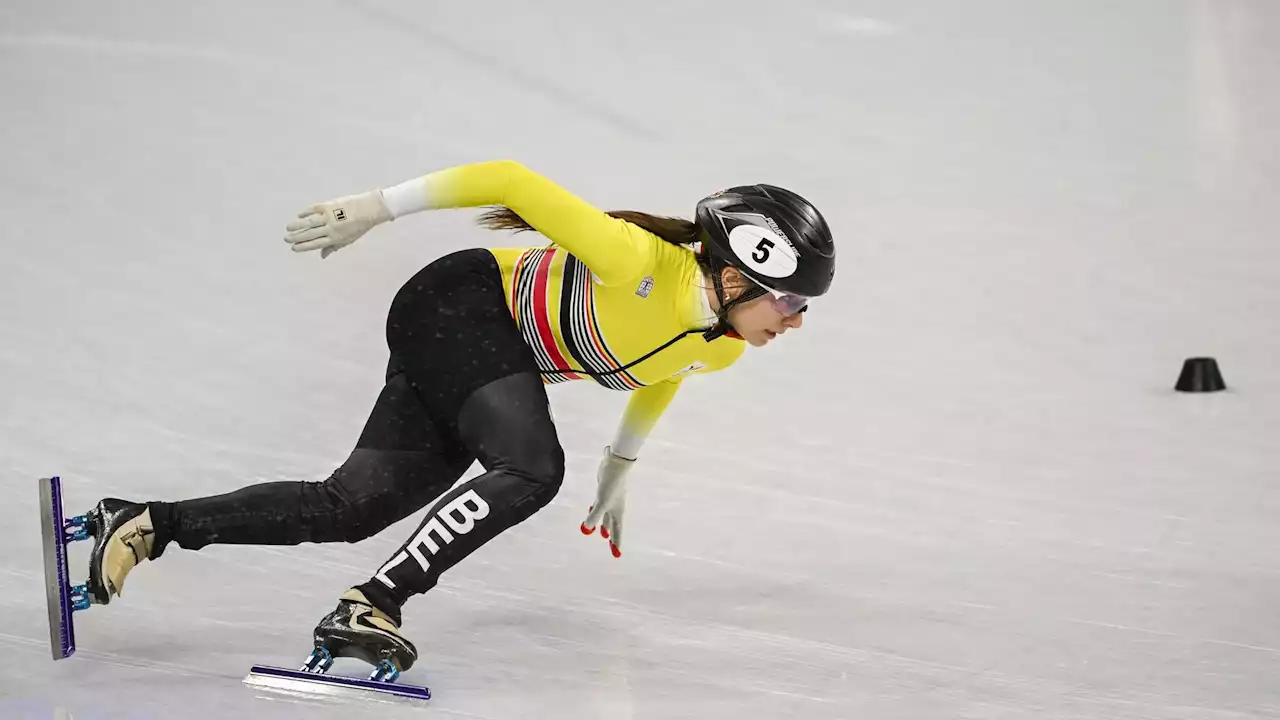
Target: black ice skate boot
<point>122,537</point>
<point>360,630</point>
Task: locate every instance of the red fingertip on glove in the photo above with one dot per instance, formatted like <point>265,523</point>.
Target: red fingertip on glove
<point>604,532</point>
<point>616,552</point>
<point>585,530</point>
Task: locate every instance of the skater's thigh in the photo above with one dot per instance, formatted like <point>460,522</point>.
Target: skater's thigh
<point>400,422</point>
<point>402,461</point>
<point>508,422</point>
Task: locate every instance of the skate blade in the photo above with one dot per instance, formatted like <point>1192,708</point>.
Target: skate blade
<point>310,683</point>
<point>62,634</point>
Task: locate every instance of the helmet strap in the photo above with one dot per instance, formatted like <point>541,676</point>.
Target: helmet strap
<point>723,326</point>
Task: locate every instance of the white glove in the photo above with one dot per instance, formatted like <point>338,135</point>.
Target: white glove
<point>335,224</point>
<point>611,500</point>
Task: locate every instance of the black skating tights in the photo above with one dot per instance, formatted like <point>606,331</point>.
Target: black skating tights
<point>401,463</point>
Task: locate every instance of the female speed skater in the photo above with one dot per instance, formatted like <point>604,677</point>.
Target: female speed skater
<point>633,301</point>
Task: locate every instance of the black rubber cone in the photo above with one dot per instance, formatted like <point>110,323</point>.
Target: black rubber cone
<point>1200,375</point>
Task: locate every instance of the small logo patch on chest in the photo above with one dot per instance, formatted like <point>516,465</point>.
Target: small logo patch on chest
<point>646,287</point>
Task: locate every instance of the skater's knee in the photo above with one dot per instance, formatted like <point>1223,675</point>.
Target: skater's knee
<point>371,491</point>
<point>545,472</point>
<point>545,467</point>
<point>337,514</point>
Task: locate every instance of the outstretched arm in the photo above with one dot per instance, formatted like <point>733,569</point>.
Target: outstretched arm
<point>615,251</point>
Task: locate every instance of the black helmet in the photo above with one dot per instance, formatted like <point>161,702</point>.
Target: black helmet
<point>774,236</point>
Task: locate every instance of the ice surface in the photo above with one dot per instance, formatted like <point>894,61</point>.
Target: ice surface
<point>964,490</point>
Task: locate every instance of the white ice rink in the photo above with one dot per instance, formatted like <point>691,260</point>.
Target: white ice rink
<point>965,489</point>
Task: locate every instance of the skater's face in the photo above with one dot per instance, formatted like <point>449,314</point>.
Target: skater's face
<point>761,320</point>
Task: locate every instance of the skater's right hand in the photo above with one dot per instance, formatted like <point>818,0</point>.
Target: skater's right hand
<point>335,224</point>
<point>611,500</point>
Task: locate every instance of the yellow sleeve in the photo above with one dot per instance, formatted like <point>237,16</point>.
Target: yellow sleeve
<point>644,408</point>
<point>615,250</point>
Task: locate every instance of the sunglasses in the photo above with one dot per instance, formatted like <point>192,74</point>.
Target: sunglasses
<point>787,303</point>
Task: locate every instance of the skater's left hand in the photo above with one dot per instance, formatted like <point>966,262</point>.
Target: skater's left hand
<point>611,500</point>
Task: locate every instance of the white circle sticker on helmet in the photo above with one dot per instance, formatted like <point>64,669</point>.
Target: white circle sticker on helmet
<point>761,250</point>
